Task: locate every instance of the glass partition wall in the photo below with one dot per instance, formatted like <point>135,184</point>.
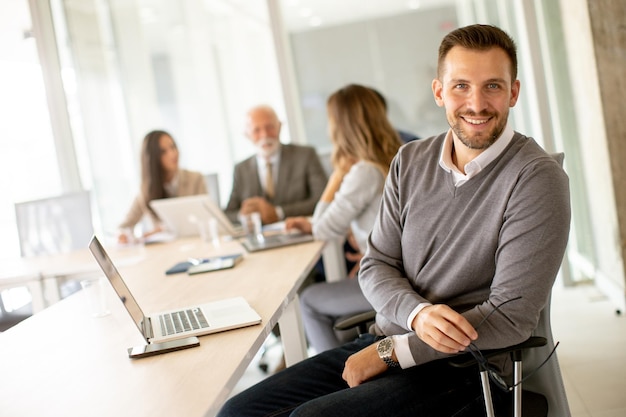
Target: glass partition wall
<point>189,67</point>
<point>28,161</point>
<point>393,50</point>
<point>112,70</point>
<point>546,109</point>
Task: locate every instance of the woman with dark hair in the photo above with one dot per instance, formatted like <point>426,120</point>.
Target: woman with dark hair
<point>364,143</point>
<point>160,178</point>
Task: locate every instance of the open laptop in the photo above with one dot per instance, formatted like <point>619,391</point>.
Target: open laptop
<point>182,215</point>
<point>188,321</point>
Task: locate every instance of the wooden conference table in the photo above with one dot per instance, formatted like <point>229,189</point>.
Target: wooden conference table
<point>64,362</point>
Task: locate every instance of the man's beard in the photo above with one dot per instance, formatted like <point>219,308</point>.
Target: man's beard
<point>267,151</point>
<point>480,141</point>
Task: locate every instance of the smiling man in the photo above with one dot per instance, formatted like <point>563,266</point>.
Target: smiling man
<point>280,180</point>
<point>473,220</point>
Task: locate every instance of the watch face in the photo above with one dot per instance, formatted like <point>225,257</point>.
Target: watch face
<point>385,345</point>
<point>385,350</point>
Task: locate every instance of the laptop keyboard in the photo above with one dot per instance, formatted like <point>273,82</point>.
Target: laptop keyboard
<point>184,320</point>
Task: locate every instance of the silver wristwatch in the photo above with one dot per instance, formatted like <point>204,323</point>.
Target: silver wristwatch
<point>385,349</point>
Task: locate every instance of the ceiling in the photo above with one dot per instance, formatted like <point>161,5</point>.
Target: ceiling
<point>300,15</point>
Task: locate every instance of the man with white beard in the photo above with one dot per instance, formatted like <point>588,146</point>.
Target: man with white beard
<point>281,180</point>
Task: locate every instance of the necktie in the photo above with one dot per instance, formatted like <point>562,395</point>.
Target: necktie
<point>269,181</point>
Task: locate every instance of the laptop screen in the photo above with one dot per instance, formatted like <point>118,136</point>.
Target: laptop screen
<point>117,283</point>
<point>182,215</point>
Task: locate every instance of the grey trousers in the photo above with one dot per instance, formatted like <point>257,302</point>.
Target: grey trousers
<point>322,304</point>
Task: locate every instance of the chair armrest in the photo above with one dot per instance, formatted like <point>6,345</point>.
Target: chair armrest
<point>358,320</point>
<point>464,360</point>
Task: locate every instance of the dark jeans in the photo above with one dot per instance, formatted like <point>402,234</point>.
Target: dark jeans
<point>314,387</point>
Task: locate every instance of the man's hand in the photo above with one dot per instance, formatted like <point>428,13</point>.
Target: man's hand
<point>443,329</point>
<point>267,210</point>
<point>362,366</point>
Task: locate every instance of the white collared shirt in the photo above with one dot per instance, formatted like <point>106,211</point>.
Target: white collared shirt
<point>261,163</point>
<point>477,164</point>
<point>473,167</point>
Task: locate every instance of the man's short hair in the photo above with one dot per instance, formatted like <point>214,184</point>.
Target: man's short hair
<point>478,37</point>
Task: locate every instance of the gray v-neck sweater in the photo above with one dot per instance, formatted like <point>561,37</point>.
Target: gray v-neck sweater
<point>500,235</point>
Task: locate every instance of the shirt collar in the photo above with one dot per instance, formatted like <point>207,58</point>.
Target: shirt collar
<point>477,164</point>
<point>274,159</point>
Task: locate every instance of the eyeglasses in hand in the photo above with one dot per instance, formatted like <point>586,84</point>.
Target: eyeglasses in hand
<point>483,363</point>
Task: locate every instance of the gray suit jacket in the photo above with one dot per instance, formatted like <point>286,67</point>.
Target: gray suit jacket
<point>301,181</point>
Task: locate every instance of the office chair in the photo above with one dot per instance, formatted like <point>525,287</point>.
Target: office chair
<point>48,226</point>
<point>534,404</point>
<point>543,393</point>
<point>55,225</point>
<point>548,379</point>
<point>10,317</point>
<point>361,322</point>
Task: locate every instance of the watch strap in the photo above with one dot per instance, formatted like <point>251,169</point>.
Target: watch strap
<point>390,362</point>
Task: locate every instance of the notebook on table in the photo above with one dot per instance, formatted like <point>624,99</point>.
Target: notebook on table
<point>178,323</point>
<point>182,215</point>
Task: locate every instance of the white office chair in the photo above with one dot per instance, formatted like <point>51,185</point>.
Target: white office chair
<point>14,300</point>
<point>55,225</point>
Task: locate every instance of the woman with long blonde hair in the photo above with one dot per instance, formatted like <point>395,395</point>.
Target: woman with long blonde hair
<point>364,143</point>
